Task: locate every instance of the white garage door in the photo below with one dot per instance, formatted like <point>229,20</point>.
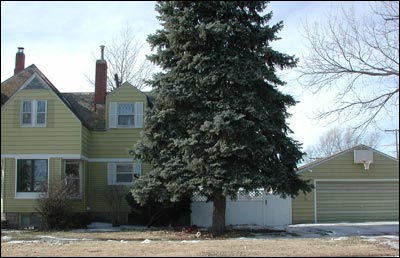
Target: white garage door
<point>357,201</point>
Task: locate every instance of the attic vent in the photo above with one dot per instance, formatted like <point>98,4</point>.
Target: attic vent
<point>362,156</point>
<point>35,84</point>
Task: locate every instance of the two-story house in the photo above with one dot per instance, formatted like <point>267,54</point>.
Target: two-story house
<point>82,138</point>
<point>85,138</point>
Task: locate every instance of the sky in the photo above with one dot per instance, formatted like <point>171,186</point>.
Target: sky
<point>62,37</point>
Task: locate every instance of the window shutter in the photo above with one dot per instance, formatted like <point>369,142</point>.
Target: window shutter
<point>138,114</point>
<point>112,115</point>
<point>111,173</point>
<point>137,167</point>
<point>45,112</point>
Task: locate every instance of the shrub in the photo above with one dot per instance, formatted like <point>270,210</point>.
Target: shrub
<point>54,208</point>
<point>158,214</point>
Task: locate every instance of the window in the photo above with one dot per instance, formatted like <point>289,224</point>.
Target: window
<point>33,113</point>
<point>31,176</point>
<point>73,177</point>
<point>125,115</point>
<point>123,173</point>
<point>26,113</point>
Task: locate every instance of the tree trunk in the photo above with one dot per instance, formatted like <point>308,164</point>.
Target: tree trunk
<point>218,225</point>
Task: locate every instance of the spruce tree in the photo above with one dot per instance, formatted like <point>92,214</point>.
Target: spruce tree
<point>218,120</point>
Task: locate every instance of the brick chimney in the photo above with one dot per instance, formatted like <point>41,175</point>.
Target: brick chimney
<point>101,80</point>
<point>19,60</point>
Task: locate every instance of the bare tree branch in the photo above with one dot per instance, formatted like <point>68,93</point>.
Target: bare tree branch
<point>339,139</point>
<point>359,60</point>
<point>124,60</point>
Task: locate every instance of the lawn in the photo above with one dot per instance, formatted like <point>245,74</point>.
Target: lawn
<point>177,243</point>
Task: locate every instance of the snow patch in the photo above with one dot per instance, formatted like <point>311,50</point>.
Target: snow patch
<point>107,227</point>
<point>146,241</point>
<point>345,229</point>
<point>5,238</point>
<point>99,225</point>
<point>392,241</point>
<point>58,238</point>
<point>190,241</point>
<point>23,241</point>
<point>340,238</point>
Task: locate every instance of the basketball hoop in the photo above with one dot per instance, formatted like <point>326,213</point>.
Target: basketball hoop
<point>366,164</point>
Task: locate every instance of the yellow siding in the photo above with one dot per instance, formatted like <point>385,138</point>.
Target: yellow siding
<point>86,135</point>
<point>61,134</point>
<point>303,208</point>
<point>85,184</point>
<point>2,183</point>
<point>114,143</point>
<point>98,189</point>
<point>341,167</point>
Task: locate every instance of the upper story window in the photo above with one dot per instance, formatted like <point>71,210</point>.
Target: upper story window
<point>34,113</point>
<point>125,115</point>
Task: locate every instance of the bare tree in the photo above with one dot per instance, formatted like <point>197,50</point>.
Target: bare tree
<point>125,64</point>
<point>359,59</point>
<point>339,139</point>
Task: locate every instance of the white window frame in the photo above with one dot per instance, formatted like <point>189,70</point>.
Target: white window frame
<point>34,113</point>
<point>137,115</point>
<point>79,162</point>
<point>133,114</point>
<point>112,172</point>
<point>29,195</point>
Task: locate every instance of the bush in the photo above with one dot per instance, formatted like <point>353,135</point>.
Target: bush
<point>55,210</point>
<point>159,214</point>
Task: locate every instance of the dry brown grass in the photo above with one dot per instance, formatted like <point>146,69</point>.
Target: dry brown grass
<point>169,243</point>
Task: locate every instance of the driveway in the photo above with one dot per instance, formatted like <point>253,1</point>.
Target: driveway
<point>345,229</point>
<point>383,232</point>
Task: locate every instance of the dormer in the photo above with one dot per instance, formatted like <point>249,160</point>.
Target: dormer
<point>125,107</point>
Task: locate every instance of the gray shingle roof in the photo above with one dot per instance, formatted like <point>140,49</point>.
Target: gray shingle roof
<point>82,104</point>
<point>12,84</point>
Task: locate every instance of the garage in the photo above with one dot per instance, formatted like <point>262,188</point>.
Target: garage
<point>360,184</point>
